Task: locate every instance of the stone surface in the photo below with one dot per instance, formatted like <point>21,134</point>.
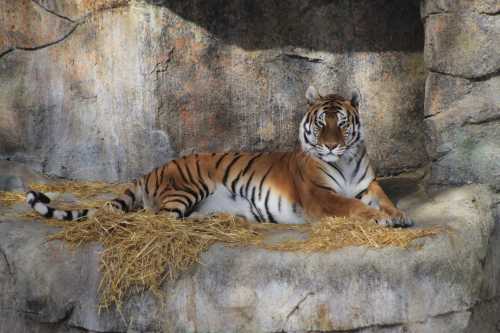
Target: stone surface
<point>42,28</point>
<point>11,183</point>
<point>463,7</point>
<point>139,82</point>
<point>463,129</point>
<point>462,104</point>
<point>17,175</point>
<point>445,284</point>
<point>462,45</point>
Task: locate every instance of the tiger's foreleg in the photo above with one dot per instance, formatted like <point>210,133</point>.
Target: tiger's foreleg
<point>324,203</point>
<point>376,197</point>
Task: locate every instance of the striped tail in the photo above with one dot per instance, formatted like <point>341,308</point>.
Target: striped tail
<point>39,202</point>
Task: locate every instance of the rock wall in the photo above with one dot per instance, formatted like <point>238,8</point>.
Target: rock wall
<point>462,98</point>
<point>109,89</point>
<point>447,283</point>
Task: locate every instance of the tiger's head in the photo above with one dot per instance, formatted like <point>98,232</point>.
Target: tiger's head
<point>331,125</point>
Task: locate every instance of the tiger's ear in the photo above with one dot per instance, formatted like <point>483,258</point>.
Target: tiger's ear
<point>311,95</point>
<point>355,99</point>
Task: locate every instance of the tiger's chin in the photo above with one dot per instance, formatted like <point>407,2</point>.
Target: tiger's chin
<point>330,158</point>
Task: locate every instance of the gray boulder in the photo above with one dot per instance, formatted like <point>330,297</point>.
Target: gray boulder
<point>463,130</point>
<point>445,283</point>
<point>462,103</point>
<point>462,45</point>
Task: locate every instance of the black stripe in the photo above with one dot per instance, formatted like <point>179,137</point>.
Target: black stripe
<point>179,201</point>
<point>191,180</point>
<point>130,194</point>
<point>263,179</point>
<point>329,176</point>
<point>248,183</point>
<point>68,216</point>
<point>220,160</point>
<point>332,164</point>
<point>271,218</point>
<point>356,136</point>
<point>190,176</point>
<point>146,183</point>
<point>189,202</point>
<point>50,212</point>
<point>361,194</point>
<point>122,204</point>
<point>180,171</point>
<point>42,197</point>
<point>294,208</point>
<point>166,189</point>
<point>358,164</point>
<point>228,169</point>
<point>250,162</point>
<point>200,178</point>
<point>323,187</point>
<point>252,210</point>
<point>279,204</point>
<point>83,213</point>
<point>261,218</point>
<point>242,173</point>
<point>364,174</point>
<point>157,183</point>
<point>189,191</point>
<point>234,182</point>
<point>310,117</point>
<point>307,140</point>
<point>162,171</point>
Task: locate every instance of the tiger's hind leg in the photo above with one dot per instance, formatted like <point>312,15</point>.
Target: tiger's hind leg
<point>179,203</point>
<point>130,200</point>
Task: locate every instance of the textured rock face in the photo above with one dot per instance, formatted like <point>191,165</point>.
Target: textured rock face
<point>83,107</point>
<point>462,103</point>
<point>445,284</point>
<point>126,85</point>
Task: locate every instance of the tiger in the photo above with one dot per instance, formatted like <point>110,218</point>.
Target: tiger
<point>328,175</point>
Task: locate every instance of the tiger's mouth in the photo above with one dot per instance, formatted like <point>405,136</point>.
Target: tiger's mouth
<point>337,151</point>
<point>331,155</point>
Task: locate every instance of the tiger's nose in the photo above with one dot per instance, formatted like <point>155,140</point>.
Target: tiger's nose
<point>331,146</point>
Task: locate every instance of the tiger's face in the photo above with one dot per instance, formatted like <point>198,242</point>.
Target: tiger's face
<point>331,125</point>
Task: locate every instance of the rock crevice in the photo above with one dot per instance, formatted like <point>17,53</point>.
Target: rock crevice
<point>53,12</point>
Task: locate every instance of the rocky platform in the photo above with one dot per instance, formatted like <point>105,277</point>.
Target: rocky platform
<point>446,283</point>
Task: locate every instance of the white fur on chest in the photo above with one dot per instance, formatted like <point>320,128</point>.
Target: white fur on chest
<point>352,173</point>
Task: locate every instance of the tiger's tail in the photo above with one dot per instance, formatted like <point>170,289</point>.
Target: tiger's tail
<point>39,202</point>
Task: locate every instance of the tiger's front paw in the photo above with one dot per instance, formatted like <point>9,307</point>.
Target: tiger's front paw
<point>395,220</point>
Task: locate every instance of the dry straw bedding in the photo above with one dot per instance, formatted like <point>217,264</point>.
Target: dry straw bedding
<point>142,250</point>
